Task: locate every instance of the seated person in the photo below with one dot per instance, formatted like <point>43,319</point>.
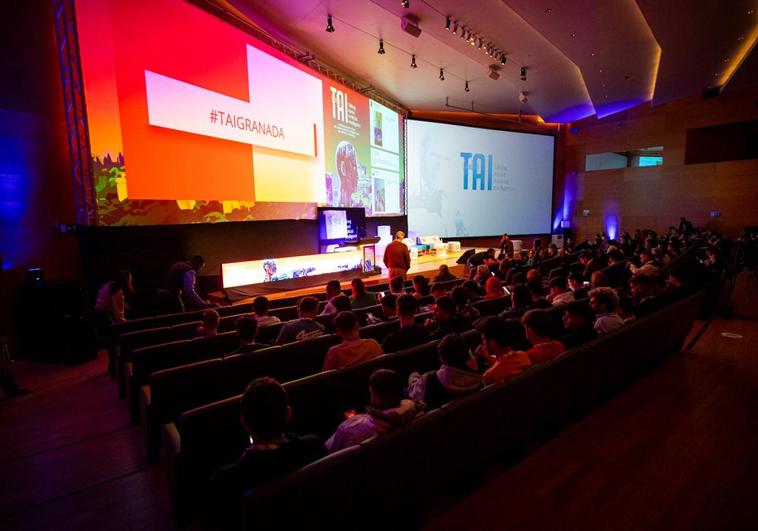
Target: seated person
<point>677,286</point>
<point>209,328</point>
<point>493,288</point>
<point>420,286</point>
<point>341,303</point>
<point>500,341</point>
<point>333,289</point>
<point>480,258</point>
<point>599,280</point>
<point>388,311</point>
<point>645,302</point>
<point>604,302</point>
<point>454,379</point>
<point>272,452</point>
<point>438,290</point>
<point>304,327</point>
<point>538,324</point>
<point>247,330</point>
<point>587,259</point>
<point>446,319</point>
<point>575,281</point>
<point>461,297</point>
<point>539,302</point>
<point>559,295</point>
<point>521,300</point>
<point>387,410</point>
<point>578,321</point>
<point>353,349</point>
<point>647,267</point>
<point>397,286</point>
<point>626,310</point>
<point>360,297</point>
<point>474,291</point>
<point>444,274</point>
<point>482,274</point>
<point>410,333</point>
<point>260,305</point>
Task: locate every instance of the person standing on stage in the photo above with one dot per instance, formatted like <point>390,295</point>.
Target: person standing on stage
<point>506,247</point>
<point>397,257</point>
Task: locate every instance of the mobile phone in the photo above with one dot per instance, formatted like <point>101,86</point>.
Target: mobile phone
<point>586,284</point>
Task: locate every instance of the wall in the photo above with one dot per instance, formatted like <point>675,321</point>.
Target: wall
<point>35,183</point>
<point>655,197</point>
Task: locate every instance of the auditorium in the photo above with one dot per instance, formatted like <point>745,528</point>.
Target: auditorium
<point>378,264</point>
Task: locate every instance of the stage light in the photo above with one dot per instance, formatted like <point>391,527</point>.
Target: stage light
<point>442,74</point>
<point>447,23</point>
<point>381,51</point>
<point>455,28</point>
<point>413,62</point>
<point>481,43</point>
<point>466,87</point>
<point>405,3</point>
<point>523,73</point>
<point>503,59</point>
<point>329,26</point>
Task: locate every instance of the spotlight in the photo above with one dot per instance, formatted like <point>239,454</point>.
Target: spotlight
<point>405,3</point>
<point>329,26</point>
<point>413,62</point>
<point>481,43</point>
<point>442,74</point>
<point>472,41</point>
<point>455,28</point>
<point>447,23</point>
<point>503,59</point>
<point>523,73</point>
<point>466,87</point>
<point>381,51</point>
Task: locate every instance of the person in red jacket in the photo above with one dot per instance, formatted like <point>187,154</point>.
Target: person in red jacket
<point>537,324</point>
<point>397,257</point>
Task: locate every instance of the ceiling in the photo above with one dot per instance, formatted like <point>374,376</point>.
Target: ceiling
<point>582,57</point>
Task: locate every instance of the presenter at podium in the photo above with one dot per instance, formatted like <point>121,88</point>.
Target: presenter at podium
<point>397,257</point>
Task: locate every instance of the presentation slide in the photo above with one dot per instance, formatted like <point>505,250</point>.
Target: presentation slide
<point>192,120</point>
<point>469,181</point>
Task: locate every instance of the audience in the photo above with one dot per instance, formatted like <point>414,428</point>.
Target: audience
<point>304,327</point>
<point>111,297</point>
<point>521,300</point>
<point>626,310</point>
<point>209,328</point>
<point>500,341</point>
<point>438,290</point>
<point>493,288</point>
<point>461,297</point>
<point>397,286</point>
<point>388,311</point>
<point>604,302</point>
<point>388,409</point>
<point>420,286</point>
<point>260,306</point>
<point>454,379</point>
<point>539,302</point>
<point>360,297</point>
<point>444,274</point>
<point>446,319</point>
<point>538,324</point>
<point>333,290</point>
<point>352,349</point>
<point>480,258</point>
<point>410,333</point>
<point>247,330</point>
<point>474,291</point>
<point>575,281</point>
<point>599,280</point>
<point>590,264</point>
<point>559,295</point>
<point>641,290</point>
<point>578,320</point>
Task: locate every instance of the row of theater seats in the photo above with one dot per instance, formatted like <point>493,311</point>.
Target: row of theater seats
<point>411,467</point>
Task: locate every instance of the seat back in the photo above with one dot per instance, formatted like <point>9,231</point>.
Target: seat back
<point>379,331</point>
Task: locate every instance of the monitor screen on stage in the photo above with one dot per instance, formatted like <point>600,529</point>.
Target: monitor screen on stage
<point>335,225</point>
<point>469,181</point>
<point>193,120</point>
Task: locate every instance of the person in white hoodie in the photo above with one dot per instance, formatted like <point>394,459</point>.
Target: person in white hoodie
<point>454,379</point>
<point>388,410</point>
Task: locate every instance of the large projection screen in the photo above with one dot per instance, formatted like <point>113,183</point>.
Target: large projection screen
<point>469,181</point>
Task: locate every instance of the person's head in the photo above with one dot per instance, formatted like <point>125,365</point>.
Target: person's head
<point>533,274</point>
<point>626,308</point>
<point>210,322</point>
<point>460,295</point>
<point>578,315</point>
<point>454,351</point>
<point>558,285</point>
<point>615,256</point>
<point>359,288</point>
<point>396,285</point>
<point>265,409</point>
<point>585,257</point>
<point>122,281</point>
<point>521,297</point>
<point>537,324</point>
<point>260,305</point>
<point>444,270</point>
<point>491,252</point>
<point>536,289</point>
<point>389,305</point>
<point>472,287</point>
<point>518,278</point>
<point>445,309</point>
<point>385,388</point>
<point>438,290</point>
<point>346,325</point>
<point>575,280</point>
<point>247,328</point>
<point>482,272</point>
<point>645,256</point>
<point>333,288</point>
<point>641,286</point>
<point>400,235</point>
<point>307,307</point>
<point>500,336</point>
<point>506,237</point>
<point>603,300</point>
<point>421,285</point>
<point>493,287</point>
<point>197,262</point>
<point>406,306</point>
<point>676,278</point>
<point>598,279</point>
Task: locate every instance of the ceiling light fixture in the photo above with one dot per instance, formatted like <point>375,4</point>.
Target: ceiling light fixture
<point>329,26</point>
<point>447,23</point>
<point>381,51</point>
<point>405,3</point>
<point>503,59</point>
<point>442,74</point>
<point>466,87</point>
<point>413,62</point>
<point>523,73</point>
<point>455,28</point>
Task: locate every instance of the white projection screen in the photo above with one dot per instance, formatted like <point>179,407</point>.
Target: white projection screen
<point>470,181</point>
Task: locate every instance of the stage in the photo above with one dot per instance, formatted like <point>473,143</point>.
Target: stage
<point>426,265</point>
